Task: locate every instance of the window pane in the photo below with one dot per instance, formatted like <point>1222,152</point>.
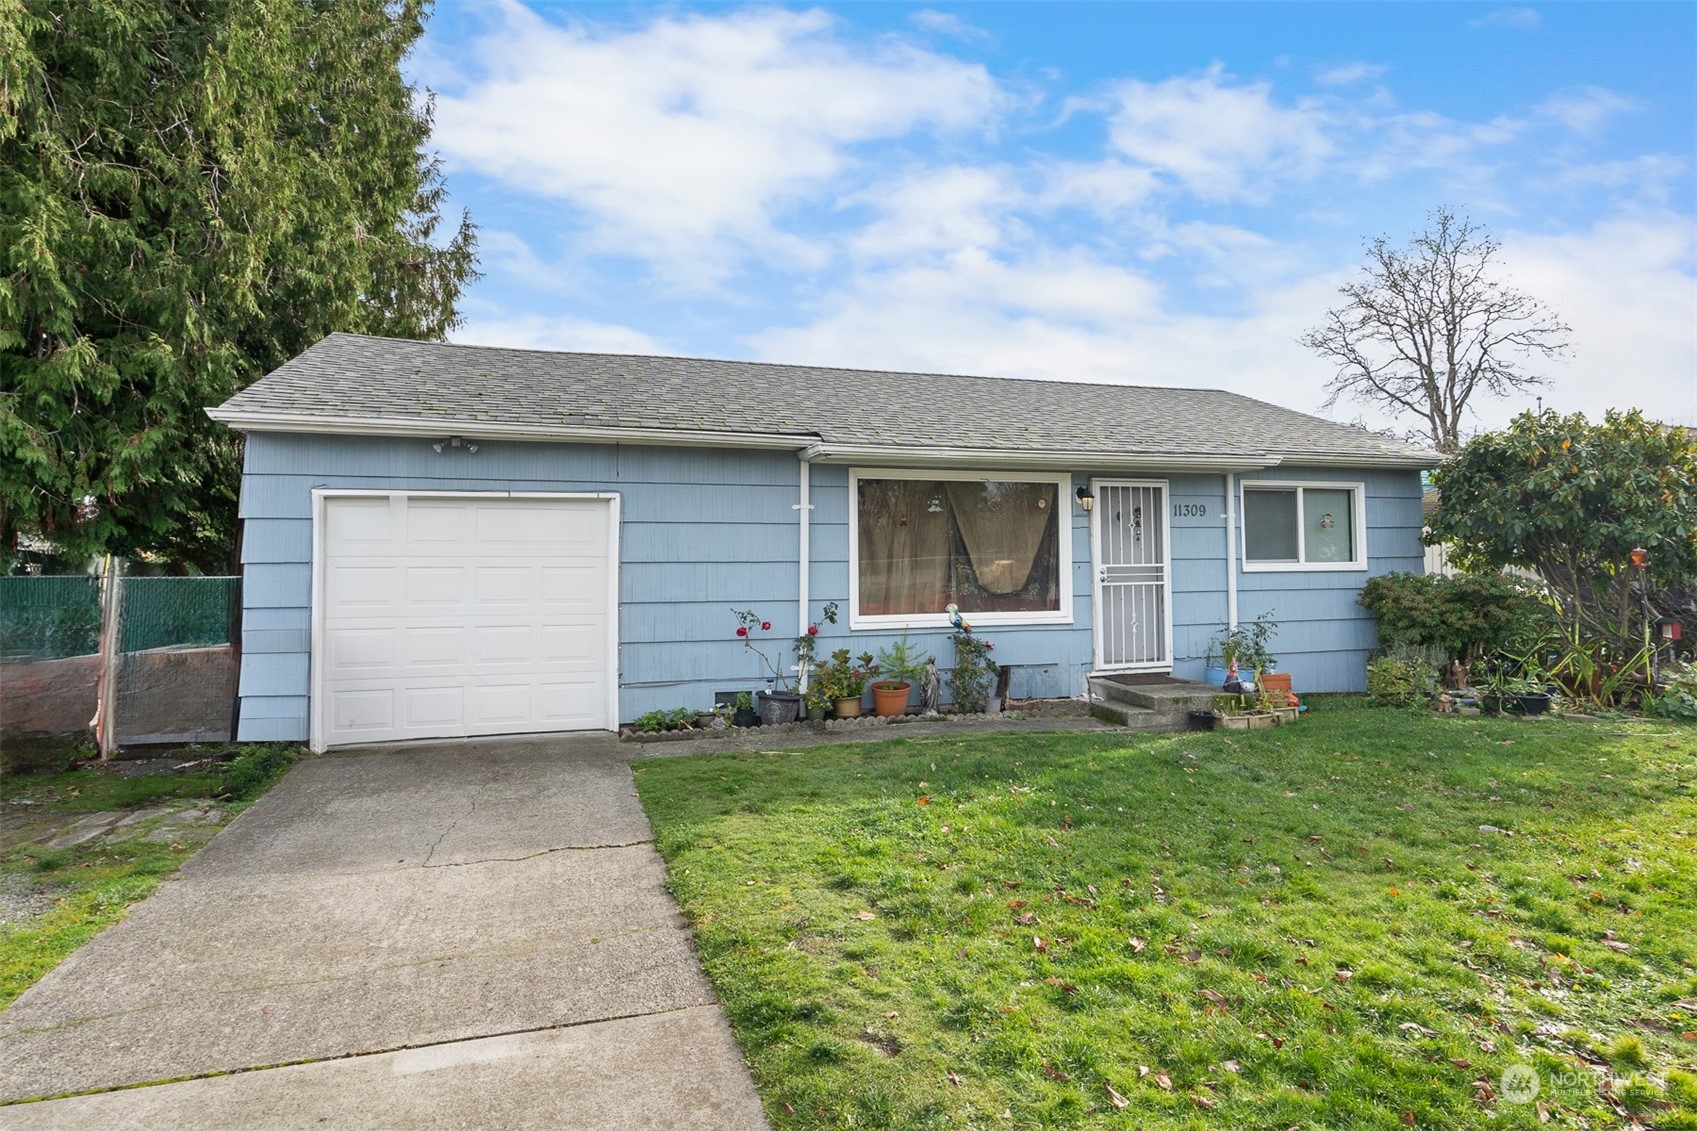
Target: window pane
<point>1269,526</point>
<point>987,547</point>
<point>1328,525</point>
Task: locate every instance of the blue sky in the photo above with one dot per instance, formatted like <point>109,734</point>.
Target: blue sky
<point>1143,193</point>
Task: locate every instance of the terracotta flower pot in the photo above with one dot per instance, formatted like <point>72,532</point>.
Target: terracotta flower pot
<point>889,697</point>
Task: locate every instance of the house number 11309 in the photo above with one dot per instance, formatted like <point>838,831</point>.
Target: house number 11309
<point>1190,510</point>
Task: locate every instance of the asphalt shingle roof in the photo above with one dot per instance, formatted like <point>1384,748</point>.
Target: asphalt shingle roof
<point>460,388</point>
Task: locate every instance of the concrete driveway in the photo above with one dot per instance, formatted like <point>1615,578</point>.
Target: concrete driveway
<point>471,934</point>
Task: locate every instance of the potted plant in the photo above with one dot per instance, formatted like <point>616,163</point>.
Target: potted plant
<point>779,704</point>
<point>744,714</point>
<point>843,681</point>
<point>1239,712</point>
<point>974,673</point>
<point>1244,646</point>
<point>900,667</point>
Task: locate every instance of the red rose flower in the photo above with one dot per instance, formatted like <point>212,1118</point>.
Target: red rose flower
<point>813,630</point>
<point>742,630</point>
<point>765,626</point>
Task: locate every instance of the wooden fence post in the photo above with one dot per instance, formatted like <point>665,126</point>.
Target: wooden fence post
<point>111,608</point>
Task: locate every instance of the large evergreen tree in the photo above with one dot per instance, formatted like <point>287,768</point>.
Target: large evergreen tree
<point>191,192</point>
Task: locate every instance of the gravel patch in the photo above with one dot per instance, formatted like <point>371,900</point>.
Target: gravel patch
<point>21,901</point>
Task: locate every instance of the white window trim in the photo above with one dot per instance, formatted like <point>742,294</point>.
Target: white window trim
<point>1063,536</point>
<point>1358,511</point>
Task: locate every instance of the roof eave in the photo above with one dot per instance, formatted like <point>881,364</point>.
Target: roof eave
<point>243,421</point>
<point>891,455</point>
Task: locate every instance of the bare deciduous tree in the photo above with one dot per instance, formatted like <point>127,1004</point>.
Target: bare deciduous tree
<point>1430,326</point>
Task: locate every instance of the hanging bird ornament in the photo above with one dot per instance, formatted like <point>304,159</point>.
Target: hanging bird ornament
<point>956,619</point>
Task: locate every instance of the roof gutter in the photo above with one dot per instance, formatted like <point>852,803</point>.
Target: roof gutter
<point>395,426</point>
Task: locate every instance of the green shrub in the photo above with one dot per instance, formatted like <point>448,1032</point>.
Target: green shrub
<point>254,771</point>
<point>974,673</point>
<point>677,718</point>
<point>1678,699</point>
<point>1404,675</point>
<point>1467,616</point>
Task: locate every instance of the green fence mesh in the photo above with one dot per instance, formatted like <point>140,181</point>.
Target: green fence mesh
<point>175,612</point>
<point>49,618</point>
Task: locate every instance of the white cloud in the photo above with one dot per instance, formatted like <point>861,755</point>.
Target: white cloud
<point>544,332</point>
<point>1219,139</point>
<point>937,210</point>
<point>1510,18</point>
<point>1583,109</point>
<point>682,140</point>
<point>946,23</point>
<point>1628,287</point>
<point>1348,74</point>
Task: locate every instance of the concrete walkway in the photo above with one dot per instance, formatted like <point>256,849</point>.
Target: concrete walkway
<point>468,934</point>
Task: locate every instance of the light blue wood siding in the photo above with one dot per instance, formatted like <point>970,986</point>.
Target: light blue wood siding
<point>708,531</point>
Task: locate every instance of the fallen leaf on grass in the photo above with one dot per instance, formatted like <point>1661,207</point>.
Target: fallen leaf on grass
<point>953,1079</point>
<point>925,799</point>
<point>1118,1100</point>
<point>1202,1102</point>
<point>1617,946</point>
<point>1037,942</point>
<point>1054,1073</point>
<point>1164,1081</point>
<point>1408,1119</point>
<point>1062,985</point>
<point>1344,975</point>
<point>785,1104</point>
<point>864,915</point>
<point>1416,1027</point>
<point>1464,1065</point>
<point>1214,996</point>
<point>1138,944</point>
<point>1027,919</point>
<point>1228,1065</point>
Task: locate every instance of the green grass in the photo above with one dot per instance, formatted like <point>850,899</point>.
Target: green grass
<point>97,882</point>
<point>1298,927</point>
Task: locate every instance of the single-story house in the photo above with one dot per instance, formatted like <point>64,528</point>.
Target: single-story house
<point>444,540</point>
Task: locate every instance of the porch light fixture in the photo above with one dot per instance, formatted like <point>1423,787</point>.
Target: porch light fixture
<point>1085,498</point>
<point>454,442</point>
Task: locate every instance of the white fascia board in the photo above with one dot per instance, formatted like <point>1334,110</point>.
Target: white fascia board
<point>477,430</point>
<point>1012,459</point>
<point>1416,461</point>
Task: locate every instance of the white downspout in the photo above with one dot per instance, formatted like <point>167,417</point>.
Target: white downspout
<point>804,508</point>
<point>1231,552</point>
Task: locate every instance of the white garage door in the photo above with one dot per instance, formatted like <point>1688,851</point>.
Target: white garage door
<point>457,615</point>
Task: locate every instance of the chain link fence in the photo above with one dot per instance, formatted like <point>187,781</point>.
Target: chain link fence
<point>124,660</point>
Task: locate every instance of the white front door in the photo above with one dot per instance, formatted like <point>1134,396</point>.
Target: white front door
<point>444,615</point>
<point>1128,539</point>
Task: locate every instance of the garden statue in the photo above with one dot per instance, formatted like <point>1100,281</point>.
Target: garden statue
<point>930,688</point>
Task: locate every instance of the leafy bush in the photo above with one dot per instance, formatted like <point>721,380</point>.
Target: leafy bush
<point>1246,645</point>
<point>974,673</point>
<point>1678,700</point>
<point>255,771</point>
<point>1466,616</point>
<point>677,718</point>
<point>1405,675</point>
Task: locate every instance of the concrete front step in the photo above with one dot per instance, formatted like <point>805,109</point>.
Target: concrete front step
<point>1169,699</point>
<point>1134,718</point>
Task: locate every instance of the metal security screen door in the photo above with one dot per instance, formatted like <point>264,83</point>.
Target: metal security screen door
<point>1129,542</point>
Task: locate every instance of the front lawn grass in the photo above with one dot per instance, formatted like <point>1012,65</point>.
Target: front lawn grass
<point>96,882</point>
<point>1303,927</point>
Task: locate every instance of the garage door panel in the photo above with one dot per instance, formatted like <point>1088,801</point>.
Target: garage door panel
<point>362,651</point>
<point>475,616</point>
<point>435,524</point>
<point>439,708</point>
<point>349,588</point>
<point>435,587</point>
<point>362,712</point>
<point>356,522</point>
<point>512,586</point>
